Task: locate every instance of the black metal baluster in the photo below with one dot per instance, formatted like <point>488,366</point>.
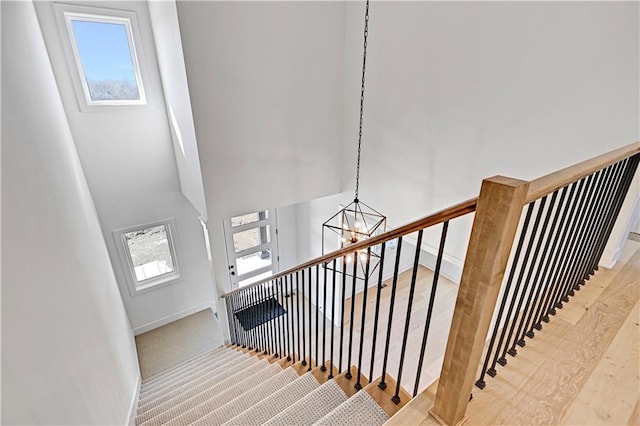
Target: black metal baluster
<point>257,326</point>
<point>271,309</point>
<point>258,318</point>
<point>505,296</point>
<point>605,195</point>
<point>579,224</point>
<point>292,335</point>
<point>556,299</point>
<point>358,386</point>
<point>323,368</point>
<point>301,354</point>
<point>317,304</point>
<point>377,311</point>
<point>552,259</point>
<point>535,285</point>
<point>432,297</point>
<point>353,304</point>
<point>603,236</point>
<point>344,278</point>
<point>383,385</point>
<point>267,318</point>
<point>304,320</point>
<point>564,244</point>
<point>277,318</point>
<point>310,324</point>
<point>630,169</point>
<point>575,273</point>
<point>528,267</point>
<point>414,276</point>
<point>251,331</point>
<point>282,320</point>
<point>333,316</point>
<point>544,260</point>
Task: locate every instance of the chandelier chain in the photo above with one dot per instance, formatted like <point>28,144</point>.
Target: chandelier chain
<point>364,67</point>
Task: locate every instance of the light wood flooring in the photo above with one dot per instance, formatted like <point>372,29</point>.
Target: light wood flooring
<point>583,368</point>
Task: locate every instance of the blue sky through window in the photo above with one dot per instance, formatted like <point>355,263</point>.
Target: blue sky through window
<point>104,51</point>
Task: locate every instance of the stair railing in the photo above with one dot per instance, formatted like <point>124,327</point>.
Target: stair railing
<point>561,223</point>
<point>559,237</point>
<point>307,314</point>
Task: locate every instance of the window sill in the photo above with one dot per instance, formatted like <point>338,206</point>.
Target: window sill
<point>153,284</point>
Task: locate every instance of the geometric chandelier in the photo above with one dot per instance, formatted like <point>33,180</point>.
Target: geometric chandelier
<point>357,221</point>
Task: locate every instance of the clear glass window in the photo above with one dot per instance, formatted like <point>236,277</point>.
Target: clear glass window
<point>254,261</point>
<point>150,252</point>
<point>148,255</point>
<point>249,218</point>
<point>250,238</point>
<point>106,59</point>
<point>102,46</point>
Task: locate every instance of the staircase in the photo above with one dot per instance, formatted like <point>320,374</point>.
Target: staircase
<point>232,386</point>
<point>535,243</point>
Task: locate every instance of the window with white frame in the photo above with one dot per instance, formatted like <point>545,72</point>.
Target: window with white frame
<point>101,46</point>
<point>148,254</point>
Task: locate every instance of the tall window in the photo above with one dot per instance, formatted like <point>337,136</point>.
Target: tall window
<point>103,51</point>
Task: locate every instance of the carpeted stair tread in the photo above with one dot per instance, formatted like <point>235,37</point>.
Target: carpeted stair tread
<point>207,370</point>
<point>226,396</point>
<point>187,369</point>
<point>311,407</point>
<point>193,369</point>
<point>360,409</point>
<point>220,372</point>
<point>247,400</point>
<point>243,369</point>
<point>177,406</point>
<point>207,354</point>
<point>272,405</point>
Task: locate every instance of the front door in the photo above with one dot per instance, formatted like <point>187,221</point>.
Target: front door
<point>252,249</point>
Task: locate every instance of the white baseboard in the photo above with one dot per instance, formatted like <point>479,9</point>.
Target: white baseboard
<point>174,317</point>
<point>134,402</point>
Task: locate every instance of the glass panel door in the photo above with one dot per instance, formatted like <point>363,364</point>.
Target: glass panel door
<point>251,247</point>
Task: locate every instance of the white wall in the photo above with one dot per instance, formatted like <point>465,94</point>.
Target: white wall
<point>128,157</point>
<point>265,82</point>
<point>166,34</point>
<point>628,219</point>
<point>194,291</point>
<point>68,355</point>
<point>460,91</point>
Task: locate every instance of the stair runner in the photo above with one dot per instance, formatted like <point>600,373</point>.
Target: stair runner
<point>227,387</point>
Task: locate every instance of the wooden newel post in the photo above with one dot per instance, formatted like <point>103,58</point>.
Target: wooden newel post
<point>494,228</point>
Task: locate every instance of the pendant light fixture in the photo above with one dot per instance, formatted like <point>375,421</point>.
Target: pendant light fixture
<point>357,221</point>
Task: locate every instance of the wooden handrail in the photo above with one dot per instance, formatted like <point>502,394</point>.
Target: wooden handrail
<point>452,212</point>
<point>547,184</point>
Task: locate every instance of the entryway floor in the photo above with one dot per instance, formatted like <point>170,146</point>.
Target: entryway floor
<point>178,341</point>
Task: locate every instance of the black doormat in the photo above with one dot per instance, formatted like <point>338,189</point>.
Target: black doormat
<point>258,314</point>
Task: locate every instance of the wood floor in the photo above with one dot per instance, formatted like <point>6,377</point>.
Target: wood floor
<point>583,368</point>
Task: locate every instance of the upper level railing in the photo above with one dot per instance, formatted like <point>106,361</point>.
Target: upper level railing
<point>560,224</point>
